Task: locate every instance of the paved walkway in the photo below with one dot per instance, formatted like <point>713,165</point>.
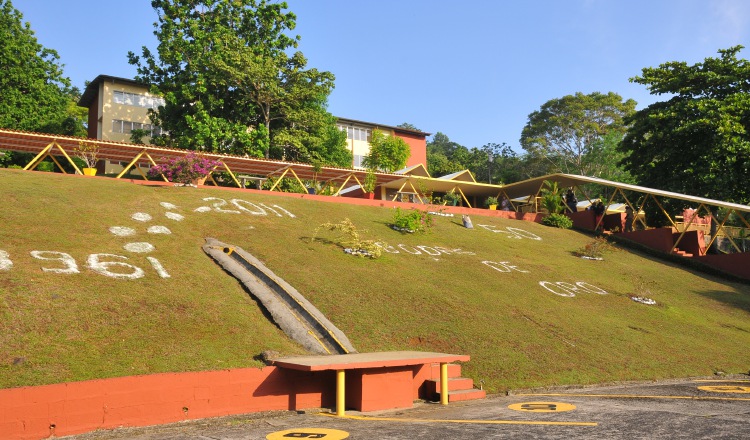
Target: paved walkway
<point>686,409</point>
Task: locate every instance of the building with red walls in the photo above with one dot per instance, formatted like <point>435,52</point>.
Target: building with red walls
<point>358,135</point>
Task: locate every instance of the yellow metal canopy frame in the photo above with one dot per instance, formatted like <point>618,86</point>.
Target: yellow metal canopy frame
<point>56,147</point>
<point>530,189</point>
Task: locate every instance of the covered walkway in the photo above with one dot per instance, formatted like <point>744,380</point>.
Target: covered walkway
<point>60,149</point>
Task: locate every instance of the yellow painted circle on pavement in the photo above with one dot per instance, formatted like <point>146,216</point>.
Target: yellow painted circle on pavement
<point>725,389</point>
<point>308,433</point>
<point>542,406</point>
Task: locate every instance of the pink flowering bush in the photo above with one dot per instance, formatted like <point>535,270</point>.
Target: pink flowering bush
<point>186,169</point>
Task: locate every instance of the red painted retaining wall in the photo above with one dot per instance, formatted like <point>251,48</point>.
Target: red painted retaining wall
<point>736,264</point>
<point>32,413</point>
<point>692,242</point>
<point>77,407</point>
<point>659,238</point>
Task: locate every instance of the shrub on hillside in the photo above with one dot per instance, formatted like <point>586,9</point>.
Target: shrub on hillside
<point>558,221</point>
<point>350,239</point>
<point>186,169</point>
<point>595,249</point>
<point>413,220</point>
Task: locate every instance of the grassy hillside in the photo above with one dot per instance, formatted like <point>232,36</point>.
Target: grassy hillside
<point>89,323</point>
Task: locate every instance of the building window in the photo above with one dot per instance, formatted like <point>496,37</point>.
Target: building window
<point>356,133</point>
<point>358,159</point>
<point>126,127</point>
<point>137,99</point>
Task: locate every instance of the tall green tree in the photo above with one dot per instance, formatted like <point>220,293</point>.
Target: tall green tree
<point>225,70</point>
<point>445,156</point>
<point>34,94</point>
<point>567,131</point>
<point>75,120</point>
<point>387,153</point>
<point>698,141</point>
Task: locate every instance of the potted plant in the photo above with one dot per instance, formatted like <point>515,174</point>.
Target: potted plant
<point>368,186</point>
<point>317,167</point>
<point>451,198</point>
<point>191,169</point>
<point>491,203</point>
<point>88,153</point>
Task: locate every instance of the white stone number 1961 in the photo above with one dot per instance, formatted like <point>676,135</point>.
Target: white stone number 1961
<point>110,265</point>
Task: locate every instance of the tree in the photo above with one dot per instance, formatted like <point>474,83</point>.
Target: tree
<point>387,153</point>
<point>445,156</point>
<point>698,141</point>
<point>324,144</point>
<point>408,126</point>
<point>224,69</point>
<point>75,119</point>
<point>34,94</point>
<point>289,99</point>
<point>566,131</point>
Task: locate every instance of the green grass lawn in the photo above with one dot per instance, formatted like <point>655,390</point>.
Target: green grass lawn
<point>90,323</point>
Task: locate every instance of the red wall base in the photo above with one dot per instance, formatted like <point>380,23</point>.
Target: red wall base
<point>736,264</point>
<point>77,407</point>
<point>32,413</point>
<point>378,388</point>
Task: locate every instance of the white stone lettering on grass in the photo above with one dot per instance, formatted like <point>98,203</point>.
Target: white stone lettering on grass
<point>141,217</point>
<point>432,251</point>
<point>156,264</point>
<point>515,233</point>
<point>524,234</point>
<point>139,247</point>
<point>219,205</point>
<point>589,288</point>
<point>158,230</point>
<point>422,249</point>
<point>175,216</point>
<point>104,267</point>
<point>69,262</point>
<point>403,247</point>
<point>284,211</point>
<point>555,288</point>
<point>643,300</point>
<point>503,266</point>
<point>122,231</point>
<point>562,288</point>
<point>5,263</point>
<point>273,210</point>
<point>240,204</point>
<point>387,248</point>
<point>168,205</point>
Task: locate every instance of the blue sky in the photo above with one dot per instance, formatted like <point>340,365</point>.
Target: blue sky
<point>471,70</point>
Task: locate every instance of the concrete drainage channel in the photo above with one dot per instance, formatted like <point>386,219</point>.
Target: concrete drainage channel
<point>294,314</point>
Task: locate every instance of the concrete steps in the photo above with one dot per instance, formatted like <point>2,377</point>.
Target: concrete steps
<point>459,395</point>
<point>681,253</point>
<point>459,388</point>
